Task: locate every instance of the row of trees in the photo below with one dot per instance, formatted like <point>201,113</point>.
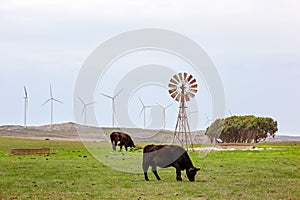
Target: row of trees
<point>242,129</point>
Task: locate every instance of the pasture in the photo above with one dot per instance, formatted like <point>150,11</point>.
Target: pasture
<point>73,173</point>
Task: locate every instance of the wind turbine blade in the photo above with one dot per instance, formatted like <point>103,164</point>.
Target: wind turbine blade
<point>57,100</point>
<point>206,117</point>
<point>118,93</point>
<point>51,92</point>
<point>91,103</point>
<point>143,109</point>
<point>141,102</point>
<point>106,96</point>
<point>26,95</point>
<point>46,102</point>
<point>159,105</point>
<point>168,105</point>
<point>81,100</point>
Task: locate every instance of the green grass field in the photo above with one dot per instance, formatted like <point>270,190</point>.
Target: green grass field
<point>73,173</point>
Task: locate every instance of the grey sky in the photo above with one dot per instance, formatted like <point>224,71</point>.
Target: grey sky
<point>254,45</point>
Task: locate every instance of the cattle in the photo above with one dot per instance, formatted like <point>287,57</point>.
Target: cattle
<point>168,156</point>
<point>121,139</point>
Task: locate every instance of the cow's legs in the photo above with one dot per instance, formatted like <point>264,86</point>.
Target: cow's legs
<point>178,174</point>
<point>145,168</point>
<point>121,146</point>
<point>114,144</point>
<point>125,147</point>
<point>155,172</point>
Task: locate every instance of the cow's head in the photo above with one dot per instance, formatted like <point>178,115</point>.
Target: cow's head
<point>191,172</point>
<point>131,144</point>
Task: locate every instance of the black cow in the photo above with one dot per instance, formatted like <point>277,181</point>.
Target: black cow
<point>121,139</point>
<point>168,156</point>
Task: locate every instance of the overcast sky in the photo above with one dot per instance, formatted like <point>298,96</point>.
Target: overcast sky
<point>254,44</point>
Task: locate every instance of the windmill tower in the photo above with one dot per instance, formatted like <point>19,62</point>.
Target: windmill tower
<point>25,106</point>
<point>182,88</point>
<point>85,105</point>
<point>51,99</point>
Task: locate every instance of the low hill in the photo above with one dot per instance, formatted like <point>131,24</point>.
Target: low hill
<point>72,131</point>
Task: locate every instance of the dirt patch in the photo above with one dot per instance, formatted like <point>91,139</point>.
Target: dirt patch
<point>228,147</point>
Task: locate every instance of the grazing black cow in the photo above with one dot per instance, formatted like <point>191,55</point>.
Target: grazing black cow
<point>168,156</point>
<point>121,139</point>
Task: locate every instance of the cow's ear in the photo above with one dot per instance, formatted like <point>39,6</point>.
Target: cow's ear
<point>197,169</point>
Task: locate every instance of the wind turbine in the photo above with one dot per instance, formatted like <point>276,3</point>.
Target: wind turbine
<point>144,109</point>
<point>113,105</point>
<point>25,106</point>
<point>229,112</point>
<point>164,112</point>
<point>51,99</point>
<point>207,120</point>
<point>84,108</point>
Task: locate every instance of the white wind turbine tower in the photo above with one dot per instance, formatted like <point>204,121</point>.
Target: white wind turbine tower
<point>25,106</point>
<point>144,109</point>
<point>207,123</point>
<point>85,105</point>
<point>113,105</point>
<point>164,112</point>
<point>51,99</point>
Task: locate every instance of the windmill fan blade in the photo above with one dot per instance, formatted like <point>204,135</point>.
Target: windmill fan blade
<point>171,91</point>
<point>57,101</point>
<point>174,95</point>
<point>172,85</point>
<point>173,81</point>
<point>193,91</point>
<point>189,78</point>
<point>191,95</point>
<point>51,92</point>
<point>81,100</point>
<point>194,86</point>
<point>91,103</point>
<point>184,75</point>
<point>169,105</point>
<point>176,78</point>
<point>180,76</point>
<point>118,93</point>
<point>142,111</point>
<point>193,81</point>
<point>178,97</point>
<point>141,102</point>
<point>159,105</point>
<point>186,96</point>
<point>106,96</point>
<point>26,95</point>
<point>46,102</point>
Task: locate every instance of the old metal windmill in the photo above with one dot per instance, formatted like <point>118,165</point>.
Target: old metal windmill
<point>182,88</point>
